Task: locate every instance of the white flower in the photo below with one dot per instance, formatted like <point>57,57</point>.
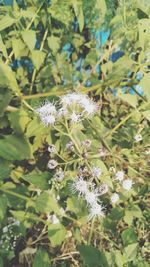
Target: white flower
<point>48,120</point>
<point>59,175</point>
<point>127,184</point>
<point>114,198</point>
<point>47,113</point>
<point>103,189</point>
<point>46,109</point>
<point>90,108</point>
<point>74,117</point>
<point>138,137</point>
<point>96,210</point>
<point>52,149</point>
<point>91,197</point>
<point>62,112</point>
<point>5,229</point>
<point>147,152</point>
<point>112,169</point>
<point>80,186</point>
<point>52,164</point>
<point>96,171</point>
<point>120,176</point>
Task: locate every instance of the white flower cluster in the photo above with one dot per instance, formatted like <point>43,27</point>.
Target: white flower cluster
<point>126,183</point>
<point>47,113</point>
<point>90,194</point>
<point>74,106</point>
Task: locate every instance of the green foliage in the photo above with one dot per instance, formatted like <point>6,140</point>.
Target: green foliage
<point>48,49</point>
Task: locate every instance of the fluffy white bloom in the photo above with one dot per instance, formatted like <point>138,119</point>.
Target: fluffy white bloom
<point>62,112</point>
<point>114,198</point>
<point>96,171</point>
<point>91,197</point>
<point>138,138</point>
<point>103,189</point>
<point>47,113</point>
<point>90,108</point>
<point>59,175</point>
<point>52,148</point>
<point>96,210</point>
<point>70,146</point>
<point>52,164</point>
<point>48,120</point>
<point>147,152</point>
<point>86,143</point>
<point>80,186</point>
<point>74,117</point>
<point>120,176</point>
<point>46,109</point>
<point>127,184</point>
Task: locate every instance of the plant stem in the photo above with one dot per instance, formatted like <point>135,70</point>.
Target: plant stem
<point>15,194</point>
<point>91,231</point>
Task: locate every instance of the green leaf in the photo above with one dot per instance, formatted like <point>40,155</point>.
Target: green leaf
<point>101,6</point>
<point>6,22</point>
<point>128,236</point>
<point>19,48</point>
<point>146,114</point>
<point>56,234</point>
<point>41,259</point>
<point>144,83</point>
<point>7,78</point>
<point>144,5</point>
<point>77,5</point>
<point>15,148</point>
<point>130,99</point>
<point>38,58</point>
<point>128,218</point>
<point>144,25</point>
<point>5,169</point>
<point>53,43</point>
<point>5,97</point>
<point>19,120</point>
<point>47,203</point>
<point>3,206</point>
<point>119,259</point>
<point>1,262</point>
<point>3,47</point>
<point>29,38</point>
<point>39,179</point>
<point>130,252</point>
<point>92,256</point>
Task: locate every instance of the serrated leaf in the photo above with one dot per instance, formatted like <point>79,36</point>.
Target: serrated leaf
<point>77,5</point>
<point>144,5</point>
<point>3,206</point>
<point>8,79</point>
<point>130,252</point>
<point>6,22</point>
<point>92,256</point>
<point>101,6</point>
<point>40,180</point>
<point>15,148</point>
<point>5,169</point>
<point>38,58</point>
<point>29,38</point>
<point>53,43</point>
<point>130,99</point>
<point>41,259</point>
<point>144,32</point>
<point>3,47</point>
<point>19,48</point>
<point>19,120</point>
<point>128,236</point>
<point>5,97</point>
<point>146,114</point>
<point>47,203</point>
<point>144,83</point>
<point>56,234</point>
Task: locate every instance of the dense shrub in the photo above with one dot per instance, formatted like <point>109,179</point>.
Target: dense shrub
<point>74,133</point>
